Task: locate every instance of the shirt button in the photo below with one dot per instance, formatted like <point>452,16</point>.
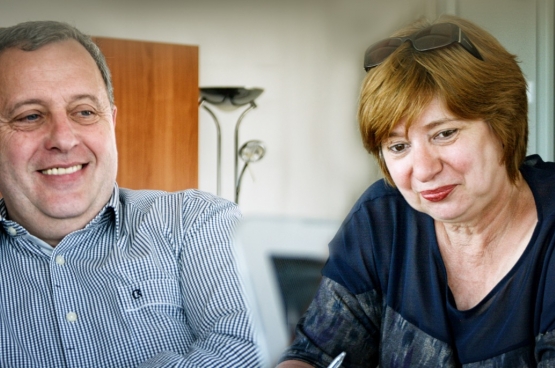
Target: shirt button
<point>60,260</point>
<point>12,231</point>
<point>71,316</point>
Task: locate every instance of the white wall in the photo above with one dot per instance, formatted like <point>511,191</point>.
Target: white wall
<point>306,54</point>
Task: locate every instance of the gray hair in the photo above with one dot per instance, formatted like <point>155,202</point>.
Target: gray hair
<point>30,36</point>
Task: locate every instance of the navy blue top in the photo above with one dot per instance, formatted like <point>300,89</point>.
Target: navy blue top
<point>385,299</point>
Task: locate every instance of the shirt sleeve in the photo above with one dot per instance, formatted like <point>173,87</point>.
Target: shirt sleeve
<point>545,350</point>
<point>346,312</point>
<point>338,321</point>
<point>214,297</point>
<point>545,340</point>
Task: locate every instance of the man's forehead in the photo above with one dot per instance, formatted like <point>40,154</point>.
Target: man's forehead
<point>66,47</point>
<point>30,74</point>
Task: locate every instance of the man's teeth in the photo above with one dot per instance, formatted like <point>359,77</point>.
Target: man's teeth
<point>62,170</point>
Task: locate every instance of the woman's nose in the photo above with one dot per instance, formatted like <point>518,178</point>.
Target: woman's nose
<point>426,163</point>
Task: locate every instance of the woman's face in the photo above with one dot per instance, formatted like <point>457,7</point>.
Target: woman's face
<point>448,168</point>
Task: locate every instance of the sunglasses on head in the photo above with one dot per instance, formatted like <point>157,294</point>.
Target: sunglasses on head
<point>430,38</point>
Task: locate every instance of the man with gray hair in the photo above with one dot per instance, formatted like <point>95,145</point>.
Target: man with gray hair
<point>94,275</point>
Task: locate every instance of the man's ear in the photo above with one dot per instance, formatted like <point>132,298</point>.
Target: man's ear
<point>114,115</point>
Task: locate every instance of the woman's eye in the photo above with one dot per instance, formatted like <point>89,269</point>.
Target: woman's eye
<point>447,133</point>
<point>398,147</point>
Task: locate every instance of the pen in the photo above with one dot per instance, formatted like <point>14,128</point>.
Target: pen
<point>336,363</point>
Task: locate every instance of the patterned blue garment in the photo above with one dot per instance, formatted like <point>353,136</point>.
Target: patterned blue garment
<point>150,282</point>
<point>384,298</point>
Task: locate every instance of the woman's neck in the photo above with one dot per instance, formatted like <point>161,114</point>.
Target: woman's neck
<point>478,254</point>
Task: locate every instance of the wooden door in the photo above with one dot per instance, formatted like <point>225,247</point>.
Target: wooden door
<point>156,93</point>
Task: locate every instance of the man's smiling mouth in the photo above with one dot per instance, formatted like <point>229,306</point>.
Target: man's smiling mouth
<point>62,170</point>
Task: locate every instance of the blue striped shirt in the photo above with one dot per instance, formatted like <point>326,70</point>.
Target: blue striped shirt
<point>151,281</point>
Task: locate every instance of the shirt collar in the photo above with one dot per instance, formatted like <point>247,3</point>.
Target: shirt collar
<point>104,214</point>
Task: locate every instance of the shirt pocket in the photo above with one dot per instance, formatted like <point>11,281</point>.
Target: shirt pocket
<point>153,310</point>
<point>156,293</point>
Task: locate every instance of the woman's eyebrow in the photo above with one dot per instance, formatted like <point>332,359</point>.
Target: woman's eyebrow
<point>396,133</point>
<point>436,123</point>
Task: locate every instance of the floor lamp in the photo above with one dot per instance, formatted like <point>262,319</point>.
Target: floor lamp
<point>251,151</point>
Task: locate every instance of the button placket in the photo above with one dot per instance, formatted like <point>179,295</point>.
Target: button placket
<point>11,231</point>
<point>71,317</point>
<point>59,293</point>
<point>64,301</point>
<point>60,260</point>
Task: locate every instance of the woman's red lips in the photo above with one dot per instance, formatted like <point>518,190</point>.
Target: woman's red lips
<point>438,194</point>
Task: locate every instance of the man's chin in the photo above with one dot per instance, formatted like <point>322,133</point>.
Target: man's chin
<point>67,208</point>
<point>64,213</point>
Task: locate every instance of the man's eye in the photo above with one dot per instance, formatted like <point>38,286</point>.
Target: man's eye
<point>27,122</point>
<point>30,118</point>
<point>85,117</point>
<point>84,114</point>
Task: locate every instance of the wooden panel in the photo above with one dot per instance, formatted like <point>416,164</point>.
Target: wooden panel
<point>156,93</point>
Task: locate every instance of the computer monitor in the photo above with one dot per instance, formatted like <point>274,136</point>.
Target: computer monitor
<point>282,258</point>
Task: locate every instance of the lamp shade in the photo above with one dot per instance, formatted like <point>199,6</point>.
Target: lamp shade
<point>236,96</point>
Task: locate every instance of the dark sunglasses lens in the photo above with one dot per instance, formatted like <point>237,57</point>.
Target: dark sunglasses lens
<point>378,52</point>
<point>439,35</point>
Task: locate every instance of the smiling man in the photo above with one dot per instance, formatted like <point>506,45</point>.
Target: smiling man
<point>58,158</point>
<point>94,275</point>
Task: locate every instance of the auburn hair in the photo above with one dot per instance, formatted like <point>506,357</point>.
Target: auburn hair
<point>492,90</point>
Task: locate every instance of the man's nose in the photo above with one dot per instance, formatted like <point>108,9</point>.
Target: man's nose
<point>61,134</point>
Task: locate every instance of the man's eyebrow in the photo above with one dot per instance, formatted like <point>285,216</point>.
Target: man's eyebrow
<point>38,101</point>
<point>31,101</point>
<point>84,97</point>
<point>99,103</point>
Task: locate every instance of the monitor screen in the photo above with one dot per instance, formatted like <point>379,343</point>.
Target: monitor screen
<point>281,259</point>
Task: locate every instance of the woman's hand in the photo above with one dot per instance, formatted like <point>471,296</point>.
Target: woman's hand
<point>294,364</point>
